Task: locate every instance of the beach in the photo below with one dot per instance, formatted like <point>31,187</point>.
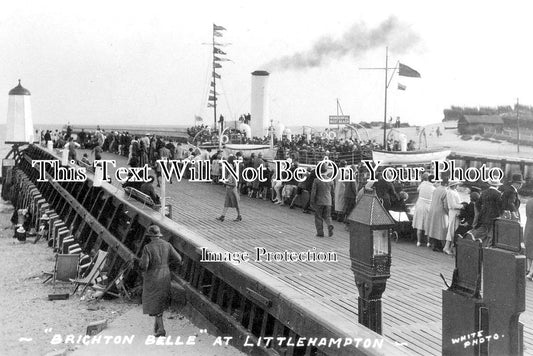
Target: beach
<point>29,318</point>
<point>34,325</point>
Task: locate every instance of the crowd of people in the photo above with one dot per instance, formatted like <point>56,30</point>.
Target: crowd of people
<point>439,214</point>
<point>441,217</point>
<point>308,147</point>
<point>299,147</point>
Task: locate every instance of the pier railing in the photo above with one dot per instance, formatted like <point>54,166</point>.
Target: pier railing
<point>526,136</point>
<point>240,300</point>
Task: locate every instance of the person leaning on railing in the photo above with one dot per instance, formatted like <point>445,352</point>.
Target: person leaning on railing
<point>148,189</point>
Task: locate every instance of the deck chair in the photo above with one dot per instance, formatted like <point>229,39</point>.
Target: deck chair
<point>118,281</point>
<point>93,273</point>
<point>65,268</point>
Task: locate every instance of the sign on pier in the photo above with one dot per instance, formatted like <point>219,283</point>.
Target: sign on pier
<point>339,119</point>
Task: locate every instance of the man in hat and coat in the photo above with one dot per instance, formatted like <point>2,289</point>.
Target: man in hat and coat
<point>490,207</point>
<point>510,199</point>
<point>156,258</point>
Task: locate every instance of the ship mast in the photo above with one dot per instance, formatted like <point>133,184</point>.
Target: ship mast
<point>217,57</point>
<point>387,84</point>
<point>386,90</point>
<point>214,83</point>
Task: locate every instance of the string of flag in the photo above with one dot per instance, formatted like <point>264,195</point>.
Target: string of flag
<point>218,57</point>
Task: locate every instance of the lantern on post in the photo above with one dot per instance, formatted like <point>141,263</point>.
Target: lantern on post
<point>370,254</point>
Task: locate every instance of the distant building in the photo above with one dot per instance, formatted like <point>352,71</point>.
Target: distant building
<point>472,124</point>
<point>450,124</point>
<point>525,120</point>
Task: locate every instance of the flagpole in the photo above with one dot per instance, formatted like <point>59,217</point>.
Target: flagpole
<point>214,85</point>
<point>386,87</point>
<point>406,72</point>
<point>517,127</point>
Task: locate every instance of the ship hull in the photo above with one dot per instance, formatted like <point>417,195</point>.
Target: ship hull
<point>410,157</point>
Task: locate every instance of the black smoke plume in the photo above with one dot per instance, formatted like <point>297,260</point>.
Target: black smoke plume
<point>355,42</point>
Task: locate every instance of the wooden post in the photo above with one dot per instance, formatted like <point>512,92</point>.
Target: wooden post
<point>517,127</point>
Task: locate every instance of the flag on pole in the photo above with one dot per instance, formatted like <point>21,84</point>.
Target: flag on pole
<point>217,34</point>
<point>212,92</point>
<point>218,28</point>
<point>217,65</point>
<point>406,71</point>
<point>218,59</point>
<point>212,98</point>
<point>217,51</point>
<point>210,105</point>
<point>216,75</point>
<point>401,87</point>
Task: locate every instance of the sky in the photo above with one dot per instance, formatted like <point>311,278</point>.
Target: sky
<point>147,63</point>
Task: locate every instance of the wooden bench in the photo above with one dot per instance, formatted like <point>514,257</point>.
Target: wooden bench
<point>140,196</point>
<point>146,200</point>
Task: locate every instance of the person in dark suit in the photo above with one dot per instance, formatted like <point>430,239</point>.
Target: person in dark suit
<point>156,258</point>
<point>350,194</point>
<point>467,215</point>
<point>510,199</point>
<point>490,208</point>
<point>322,194</point>
<point>309,186</point>
<point>386,192</point>
<point>47,137</point>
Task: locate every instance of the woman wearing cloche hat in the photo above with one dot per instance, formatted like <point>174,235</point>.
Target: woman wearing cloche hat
<point>155,260</point>
<point>454,208</point>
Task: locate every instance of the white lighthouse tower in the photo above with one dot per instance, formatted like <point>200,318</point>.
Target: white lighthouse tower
<point>259,108</point>
<point>19,127</point>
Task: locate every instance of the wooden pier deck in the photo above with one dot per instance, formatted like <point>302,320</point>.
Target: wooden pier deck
<point>412,302</point>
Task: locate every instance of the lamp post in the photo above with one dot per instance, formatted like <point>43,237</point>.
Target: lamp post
<point>370,254</point>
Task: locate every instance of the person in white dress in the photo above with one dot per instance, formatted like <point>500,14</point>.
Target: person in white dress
<point>454,208</point>
<point>421,215</point>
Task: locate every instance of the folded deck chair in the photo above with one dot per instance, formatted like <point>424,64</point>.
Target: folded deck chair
<point>65,268</point>
<point>118,281</point>
<point>93,273</point>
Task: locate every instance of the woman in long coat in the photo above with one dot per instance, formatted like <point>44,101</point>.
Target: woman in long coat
<point>232,195</point>
<point>155,260</point>
<point>438,216</point>
<point>422,207</point>
<point>528,237</point>
<point>143,154</point>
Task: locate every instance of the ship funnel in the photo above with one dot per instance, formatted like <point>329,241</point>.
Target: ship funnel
<point>259,108</point>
